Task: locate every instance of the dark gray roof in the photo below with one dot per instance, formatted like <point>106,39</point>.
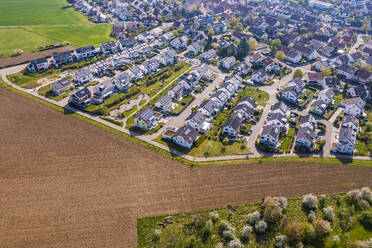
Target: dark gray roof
<point>272,130</point>
<point>234,122</point>
<point>209,105</point>
<point>306,118</point>
<point>198,117</point>
<point>84,49</point>
<point>244,108</point>
<point>279,105</point>
<point>38,61</point>
<point>83,92</point>
<point>83,72</point>
<point>146,115</point>
<point>164,100</point>
<point>250,100</point>
<point>187,132</point>
<point>60,84</point>
<point>61,56</point>
<point>346,133</point>
<point>108,45</point>
<point>306,133</point>
<point>350,118</point>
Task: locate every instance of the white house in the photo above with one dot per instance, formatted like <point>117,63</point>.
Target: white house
<point>164,103</point>
<point>355,106</point>
<point>185,136</point>
<point>228,62</point>
<point>232,126</point>
<point>326,96</point>
<point>259,76</point>
<point>38,65</point>
<point>61,86</point>
<point>83,76</point>
<point>85,52</point>
<point>305,137</point>
<point>346,141</point>
<point>269,135</point>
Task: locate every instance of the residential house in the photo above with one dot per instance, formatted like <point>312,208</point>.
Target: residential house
<point>176,92</point>
<point>305,137</point>
<point>259,76</point>
<point>209,108</point>
<point>221,97</point>
<point>328,51</point>
<point>135,72</point>
<point>81,98</point>
<point>280,107</point>
<point>291,94</point>
<point>123,82</point>
<point>60,59</point>
<point>168,57</point>
<point>102,91</point>
<point>270,65</point>
<point>38,65</point>
<point>292,56</point>
<point>185,136</point>
<point>179,43</point>
<point>83,76</point>
<point>326,96</point>
<point>195,48</point>
<point>363,76</point>
<point>257,58</point>
<point>346,140</point>
<point>164,103</point>
<point>150,66</point>
<point>316,79</point>
<point>232,126</point>
<point>277,119</point>
<point>86,52</point>
<point>128,42</point>
<point>61,86</point>
<point>146,119</point>
<point>355,106</point>
<point>350,121</point>
<point>319,107</point>
<point>198,121</point>
<point>209,55</point>
<point>347,71</point>
<point>243,68</point>
<point>228,62</point>
<point>308,121</point>
<point>108,47</point>
<point>334,83</point>
<point>269,135</point>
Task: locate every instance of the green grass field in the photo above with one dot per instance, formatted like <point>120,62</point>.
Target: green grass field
<point>14,38</point>
<point>38,12</point>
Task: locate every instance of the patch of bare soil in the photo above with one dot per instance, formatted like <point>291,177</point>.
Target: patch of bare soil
<point>65,183</point>
<point>24,58</point>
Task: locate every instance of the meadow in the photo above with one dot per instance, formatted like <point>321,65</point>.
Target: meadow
<point>38,12</point>
<point>12,39</point>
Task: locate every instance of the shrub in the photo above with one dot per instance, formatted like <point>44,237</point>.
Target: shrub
<point>311,216</point>
<point>219,245</point>
<point>329,213</point>
<point>214,216</point>
<point>272,210</point>
<point>261,226</point>
<point>354,195</point>
<point>364,205</point>
<point>295,233</point>
<point>366,219</point>
<point>225,226</point>
<point>345,220</point>
<point>254,217</point>
<point>235,243</point>
<point>156,236</point>
<point>366,194</point>
<point>246,231</point>
<point>281,241</point>
<point>228,234</point>
<point>308,231</point>
<point>282,202</point>
<point>321,228</point>
<point>310,202</point>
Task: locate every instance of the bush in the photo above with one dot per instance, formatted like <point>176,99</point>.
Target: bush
<point>366,219</point>
<point>235,243</point>
<point>322,228</point>
<point>311,216</point>
<point>156,236</point>
<point>246,231</point>
<point>310,202</point>
<point>366,194</point>
<point>354,195</point>
<point>261,226</point>
<point>282,202</point>
<point>329,213</point>
<point>254,217</point>
<point>225,226</point>
<point>272,211</point>
<point>364,205</point>
<point>295,233</point>
<point>214,216</point>
<point>281,241</point>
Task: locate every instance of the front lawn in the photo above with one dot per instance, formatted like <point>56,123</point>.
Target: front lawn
<point>182,104</point>
<point>260,96</point>
<point>47,92</point>
<point>29,80</point>
<point>287,140</point>
<point>212,148</point>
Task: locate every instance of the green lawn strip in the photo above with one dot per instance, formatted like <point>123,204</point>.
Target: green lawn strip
<point>39,12</point>
<point>182,104</point>
<point>182,229</point>
<point>260,96</point>
<point>354,162</point>
<point>25,78</point>
<point>118,123</point>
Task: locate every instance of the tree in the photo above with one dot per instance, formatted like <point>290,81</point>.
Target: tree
<point>326,71</point>
<point>346,87</point>
<point>210,31</point>
<point>252,44</point>
<point>175,33</point>
<point>279,55</point>
<point>298,74</point>
<point>275,44</point>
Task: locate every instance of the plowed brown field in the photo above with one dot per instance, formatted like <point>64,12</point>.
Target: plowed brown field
<point>65,183</point>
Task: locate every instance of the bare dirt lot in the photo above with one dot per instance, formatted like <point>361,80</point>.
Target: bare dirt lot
<point>5,62</point>
<point>65,183</point>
